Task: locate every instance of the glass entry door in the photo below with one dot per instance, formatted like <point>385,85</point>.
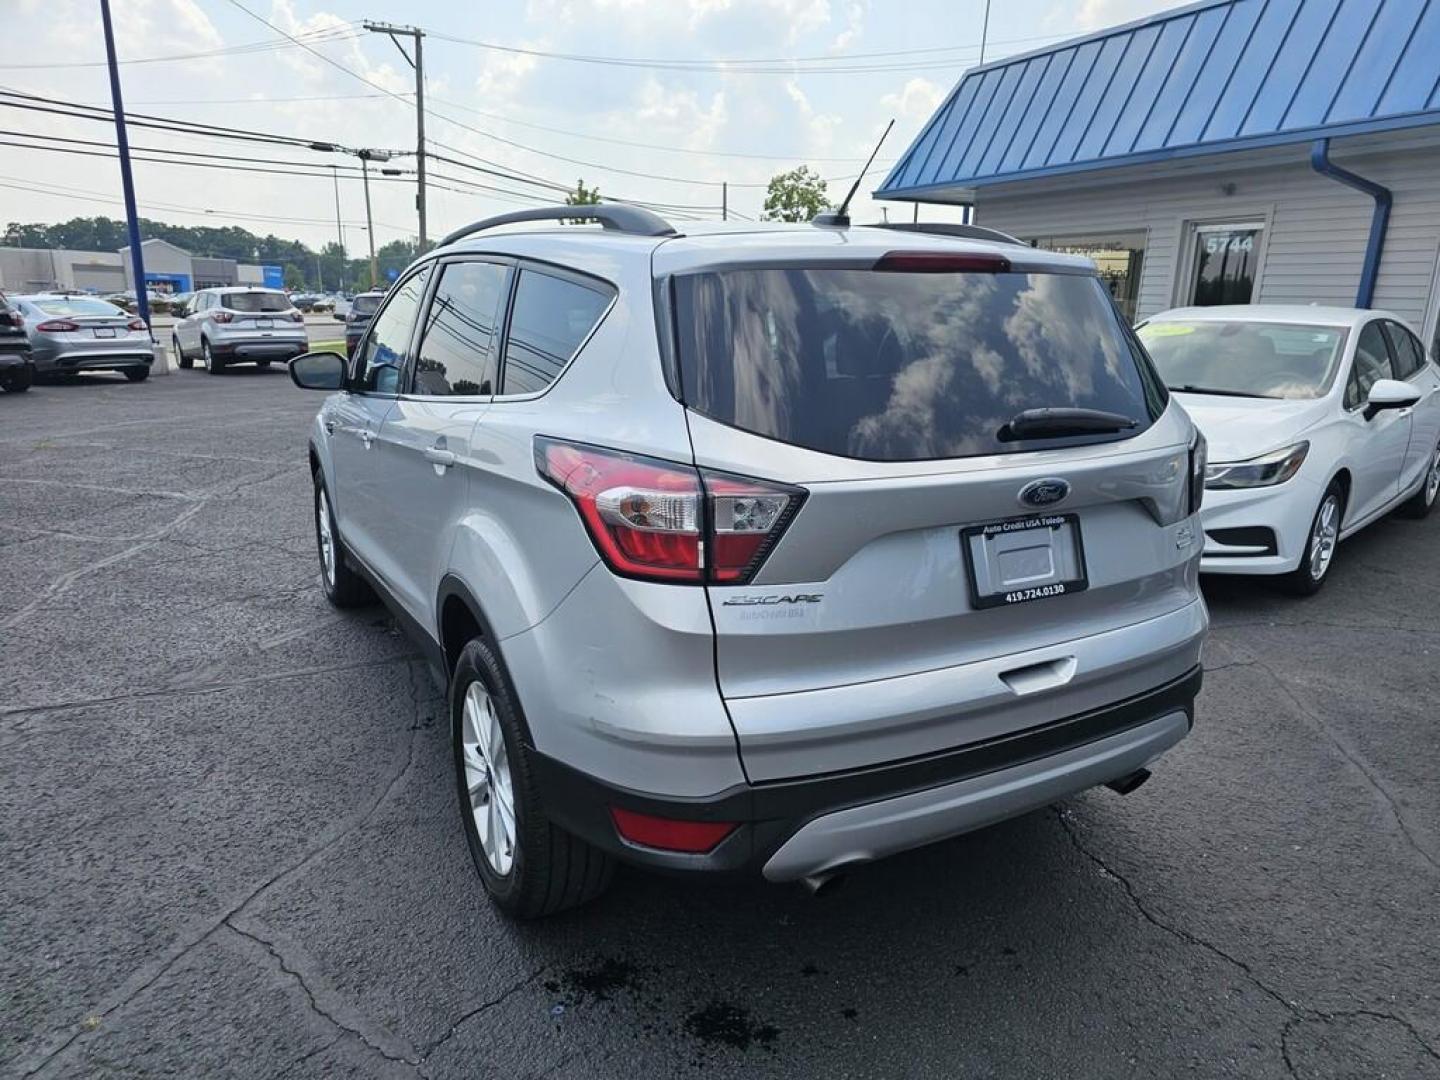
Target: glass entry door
<point>1226,260</point>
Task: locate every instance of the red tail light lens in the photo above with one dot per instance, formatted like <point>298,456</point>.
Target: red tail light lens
<point>224,317</point>
<point>295,316</point>
<point>668,834</point>
<point>57,326</point>
<point>643,514</point>
<point>660,521</point>
<point>135,324</point>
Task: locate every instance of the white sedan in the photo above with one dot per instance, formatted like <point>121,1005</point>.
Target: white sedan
<point>1319,421</point>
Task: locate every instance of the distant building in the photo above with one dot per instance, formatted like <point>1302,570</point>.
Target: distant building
<point>168,269</point>
<point>1229,151</point>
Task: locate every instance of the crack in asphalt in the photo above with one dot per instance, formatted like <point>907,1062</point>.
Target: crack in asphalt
<point>62,584</point>
<point>122,998</point>
<point>1299,1014</point>
<point>1355,759</point>
<point>294,971</point>
<point>470,1014</point>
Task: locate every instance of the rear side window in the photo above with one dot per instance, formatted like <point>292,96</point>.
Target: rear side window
<point>457,347</point>
<point>905,366</point>
<point>255,301</point>
<point>549,320</point>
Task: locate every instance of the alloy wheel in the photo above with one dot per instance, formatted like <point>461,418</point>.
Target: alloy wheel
<point>1324,535</point>
<point>1432,481</point>
<point>326,537</point>
<point>487,778</point>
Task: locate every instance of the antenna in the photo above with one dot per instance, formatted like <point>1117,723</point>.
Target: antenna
<point>838,217</point>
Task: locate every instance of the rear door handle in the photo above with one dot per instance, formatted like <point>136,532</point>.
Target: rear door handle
<point>437,456</point>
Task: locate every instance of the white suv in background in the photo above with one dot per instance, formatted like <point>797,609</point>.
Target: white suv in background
<point>777,549</point>
<point>238,325</point>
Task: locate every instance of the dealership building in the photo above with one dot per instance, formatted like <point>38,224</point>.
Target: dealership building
<point>168,269</point>
<point>1229,151</point>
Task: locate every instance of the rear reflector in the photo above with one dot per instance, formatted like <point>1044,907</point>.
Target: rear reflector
<point>942,262</point>
<point>667,834</point>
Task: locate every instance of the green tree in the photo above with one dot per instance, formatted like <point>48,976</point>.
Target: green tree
<point>797,195</point>
<point>582,196</point>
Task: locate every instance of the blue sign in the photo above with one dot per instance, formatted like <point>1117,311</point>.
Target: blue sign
<point>391,275</point>
<point>273,277</point>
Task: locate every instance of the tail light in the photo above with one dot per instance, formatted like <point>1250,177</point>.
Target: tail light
<point>224,316</point>
<point>57,326</point>
<point>136,324</point>
<point>660,521</point>
<point>295,316</point>
<point>1199,459</point>
<point>941,262</point>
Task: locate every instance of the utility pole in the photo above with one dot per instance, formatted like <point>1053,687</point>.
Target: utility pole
<point>984,31</point>
<point>724,201</point>
<point>339,228</point>
<point>122,142</point>
<point>367,156</point>
<point>418,63</point>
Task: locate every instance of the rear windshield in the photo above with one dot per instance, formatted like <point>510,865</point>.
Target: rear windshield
<point>255,301</point>
<point>77,306</point>
<point>365,305</point>
<point>1244,359</point>
<point>891,366</point>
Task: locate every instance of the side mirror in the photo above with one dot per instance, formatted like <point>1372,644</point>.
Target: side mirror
<point>318,371</point>
<point>1390,394</point>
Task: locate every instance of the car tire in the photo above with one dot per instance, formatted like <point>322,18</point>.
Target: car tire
<point>212,365</point>
<point>136,374</point>
<point>343,587</point>
<point>180,358</point>
<point>18,381</point>
<point>547,869</point>
<point>1319,554</point>
<point>1420,504</point>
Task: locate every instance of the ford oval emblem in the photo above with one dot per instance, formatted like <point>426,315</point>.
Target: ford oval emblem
<point>1046,492</point>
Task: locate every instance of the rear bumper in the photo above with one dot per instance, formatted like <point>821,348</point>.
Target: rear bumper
<point>109,359</point>
<point>266,349</point>
<point>793,828</point>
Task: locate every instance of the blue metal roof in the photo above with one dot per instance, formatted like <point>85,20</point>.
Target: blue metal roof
<point>1210,77</point>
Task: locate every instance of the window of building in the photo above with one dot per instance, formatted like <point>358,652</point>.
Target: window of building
<point>1226,261</point>
<point>1118,256</point>
<point>550,318</point>
<point>457,346</point>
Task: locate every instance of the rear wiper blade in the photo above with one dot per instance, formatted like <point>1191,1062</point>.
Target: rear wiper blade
<point>1057,423</point>
<point>1190,388</point>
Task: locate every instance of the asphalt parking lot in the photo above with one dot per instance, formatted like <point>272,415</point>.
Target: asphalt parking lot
<point>230,845</point>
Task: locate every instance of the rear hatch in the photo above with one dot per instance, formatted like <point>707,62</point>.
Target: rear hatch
<point>260,310</point>
<point>952,544</point>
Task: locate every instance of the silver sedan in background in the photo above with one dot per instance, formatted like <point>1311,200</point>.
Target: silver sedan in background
<point>81,333</point>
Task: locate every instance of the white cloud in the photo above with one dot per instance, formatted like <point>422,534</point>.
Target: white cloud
<point>916,100</point>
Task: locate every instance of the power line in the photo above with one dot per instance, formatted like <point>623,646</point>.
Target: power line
<point>186,153</point>
<point>346,32</point>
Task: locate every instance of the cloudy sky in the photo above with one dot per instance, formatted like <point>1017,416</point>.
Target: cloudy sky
<point>709,91</point>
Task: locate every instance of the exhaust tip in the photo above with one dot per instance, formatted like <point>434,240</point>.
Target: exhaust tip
<point>1126,784</point>
<point>823,884</point>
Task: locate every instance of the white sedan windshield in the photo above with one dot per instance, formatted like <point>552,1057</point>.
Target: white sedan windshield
<point>1244,359</point>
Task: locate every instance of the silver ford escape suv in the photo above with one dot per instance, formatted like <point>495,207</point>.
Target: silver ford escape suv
<point>774,549</point>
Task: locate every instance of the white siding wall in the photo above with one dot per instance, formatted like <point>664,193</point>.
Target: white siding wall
<point>1315,243</point>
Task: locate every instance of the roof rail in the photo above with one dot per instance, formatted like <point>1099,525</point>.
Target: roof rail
<point>943,228</point>
<point>616,216</point>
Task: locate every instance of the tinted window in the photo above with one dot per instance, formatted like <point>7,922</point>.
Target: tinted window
<point>77,306</point>
<point>550,318</point>
<point>383,354</point>
<point>1254,359</point>
<point>456,354</point>
<point>904,366</point>
<point>365,305</point>
<point>1405,348</point>
<point>1372,363</point>
<point>255,301</point>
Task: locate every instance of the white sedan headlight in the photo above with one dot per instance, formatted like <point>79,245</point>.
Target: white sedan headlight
<point>1264,471</point>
